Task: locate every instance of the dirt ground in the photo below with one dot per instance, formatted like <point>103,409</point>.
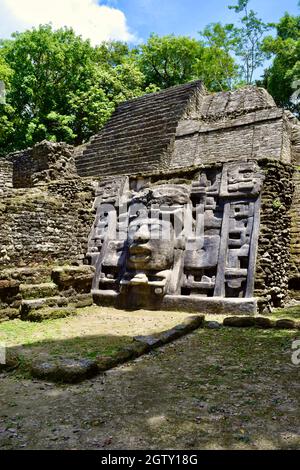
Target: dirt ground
<point>213,389</point>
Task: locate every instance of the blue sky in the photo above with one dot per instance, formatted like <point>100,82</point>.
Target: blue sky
<point>187,17</point>
<point>129,20</point>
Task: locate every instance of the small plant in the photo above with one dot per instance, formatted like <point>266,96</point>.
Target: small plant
<point>276,204</point>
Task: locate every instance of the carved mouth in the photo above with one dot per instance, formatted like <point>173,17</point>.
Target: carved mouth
<point>139,253</point>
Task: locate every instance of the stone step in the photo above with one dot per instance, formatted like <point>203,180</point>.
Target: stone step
<point>144,112</point>
<point>38,291</point>
<point>28,306</point>
<point>122,140</point>
<point>134,165</point>
<point>160,129</point>
<point>76,277</point>
<point>128,169</point>
<point>96,171</point>
<point>50,313</point>
<point>142,116</point>
<point>118,146</point>
<point>109,160</point>
<point>97,168</point>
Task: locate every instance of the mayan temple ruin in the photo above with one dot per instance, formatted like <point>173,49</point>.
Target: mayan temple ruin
<point>218,173</point>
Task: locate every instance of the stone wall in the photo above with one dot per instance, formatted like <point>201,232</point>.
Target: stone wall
<point>22,168</point>
<point>44,162</point>
<point>46,216</point>
<point>6,171</point>
<point>294,278</point>
<point>256,135</point>
<point>273,257</point>
<point>44,225</point>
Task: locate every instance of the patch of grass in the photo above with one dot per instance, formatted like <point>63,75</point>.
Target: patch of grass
<point>92,332</point>
<point>288,312</point>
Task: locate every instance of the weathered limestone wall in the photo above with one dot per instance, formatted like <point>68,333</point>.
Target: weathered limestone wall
<point>6,171</point>
<point>22,168</point>
<point>44,162</point>
<point>294,280</point>
<point>47,214</point>
<point>47,224</point>
<point>228,127</point>
<point>273,257</point>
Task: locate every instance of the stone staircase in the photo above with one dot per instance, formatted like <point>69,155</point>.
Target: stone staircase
<point>39,293</point>
<point>139,135</point>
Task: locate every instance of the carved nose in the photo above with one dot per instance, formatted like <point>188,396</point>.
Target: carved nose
<point>142,235</point>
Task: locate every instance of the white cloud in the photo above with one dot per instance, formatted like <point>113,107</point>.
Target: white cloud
<point>87,17</point>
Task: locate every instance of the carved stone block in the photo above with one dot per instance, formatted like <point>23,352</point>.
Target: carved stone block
<point>154,240</point>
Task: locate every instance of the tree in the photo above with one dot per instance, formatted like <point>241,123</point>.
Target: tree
<point>168,60</point>
<point>282,78</point>
<point>6,110</point>
<point>217,66</point>
<point>60,87</point>
<point>247,40</point>
<point>171,60</point>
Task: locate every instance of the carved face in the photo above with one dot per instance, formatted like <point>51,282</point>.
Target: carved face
<point>151,244</point>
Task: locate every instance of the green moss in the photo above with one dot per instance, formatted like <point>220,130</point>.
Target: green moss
<point>277,204</point>
<point>43,314</point>
<point>31,200</point>
<point>37,291</point>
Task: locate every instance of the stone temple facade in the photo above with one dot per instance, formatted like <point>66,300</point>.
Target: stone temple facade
<point>184,200</point>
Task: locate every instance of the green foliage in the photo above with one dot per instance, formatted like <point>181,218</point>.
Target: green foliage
<point>5,71</point>
<point>247,39</point>
<point>217,68</point>
<point>281,77</point>
<point>169,60</point>
<point>242,42</point>
<point>172,60</point>
<point>60,87</point>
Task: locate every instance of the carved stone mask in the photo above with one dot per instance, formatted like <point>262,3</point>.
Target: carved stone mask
<point>150,244</point>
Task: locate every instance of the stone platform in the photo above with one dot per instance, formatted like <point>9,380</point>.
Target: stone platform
<point>191,303</point>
